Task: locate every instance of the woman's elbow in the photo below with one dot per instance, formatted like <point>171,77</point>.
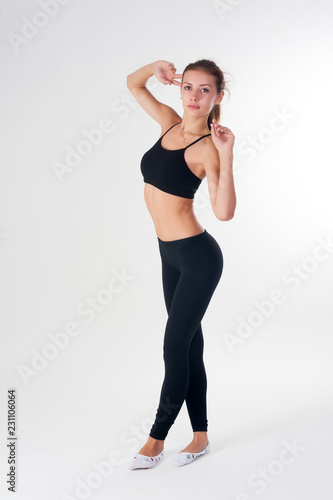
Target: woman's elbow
<point>128,81</point>
<point>225,217</point>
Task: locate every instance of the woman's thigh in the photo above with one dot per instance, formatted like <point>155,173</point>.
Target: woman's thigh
<point>170,278</point>
<point>200,263</point>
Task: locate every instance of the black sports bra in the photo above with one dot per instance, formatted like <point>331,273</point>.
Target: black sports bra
<point>167,169</point>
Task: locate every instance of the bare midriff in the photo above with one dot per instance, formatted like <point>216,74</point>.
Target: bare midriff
<point>173,216</point>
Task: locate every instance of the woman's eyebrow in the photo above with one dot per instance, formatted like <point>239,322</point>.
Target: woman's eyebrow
<point>199,85</point>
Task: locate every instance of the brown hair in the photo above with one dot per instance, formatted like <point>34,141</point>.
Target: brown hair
<point>210,67</point>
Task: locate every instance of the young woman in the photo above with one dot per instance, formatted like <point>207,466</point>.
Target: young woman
<point>193,147</point>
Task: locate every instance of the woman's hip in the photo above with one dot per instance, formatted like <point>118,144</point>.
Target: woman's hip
<point>200,253</point>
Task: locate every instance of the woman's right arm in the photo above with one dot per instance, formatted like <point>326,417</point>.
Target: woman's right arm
<point>165,72</point>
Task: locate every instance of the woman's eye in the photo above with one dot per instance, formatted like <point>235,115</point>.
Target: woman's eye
<point>186,87</point>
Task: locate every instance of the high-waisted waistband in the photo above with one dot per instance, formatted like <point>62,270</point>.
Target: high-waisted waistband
<point>181,240</point>
<point>199,251</point>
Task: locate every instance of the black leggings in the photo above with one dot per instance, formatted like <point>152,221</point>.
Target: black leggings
<point>191,270</point>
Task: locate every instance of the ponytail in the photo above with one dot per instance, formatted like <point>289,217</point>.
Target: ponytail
<point>215,113</point>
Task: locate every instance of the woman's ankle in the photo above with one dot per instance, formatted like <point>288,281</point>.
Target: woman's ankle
<point>200,436</point>
<point>153,440</point>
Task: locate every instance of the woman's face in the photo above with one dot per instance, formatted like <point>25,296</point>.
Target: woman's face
<point>199,92</point>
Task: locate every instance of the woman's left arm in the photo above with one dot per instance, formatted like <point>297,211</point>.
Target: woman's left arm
<point>219,173</point>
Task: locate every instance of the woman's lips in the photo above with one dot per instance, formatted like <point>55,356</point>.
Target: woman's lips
<point>193,107</point>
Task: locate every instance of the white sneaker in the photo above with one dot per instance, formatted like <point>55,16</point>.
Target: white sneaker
<point>144,462</point>
<point>184,457</point>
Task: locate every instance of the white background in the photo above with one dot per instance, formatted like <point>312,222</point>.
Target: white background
<point>62,238</point>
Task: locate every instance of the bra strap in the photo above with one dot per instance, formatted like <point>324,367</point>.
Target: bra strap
<point>197,140</point>
<point>169,129</point>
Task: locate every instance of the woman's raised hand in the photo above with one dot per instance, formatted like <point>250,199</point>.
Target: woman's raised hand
<point>165,72</point>
<point>222,137</point>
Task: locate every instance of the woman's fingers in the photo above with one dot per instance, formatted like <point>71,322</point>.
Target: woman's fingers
<point>173,75</point>
<point>218,130</point>
<point>164,78</point>
<point>176,77</point>
<point>177,83</point>
<point>213,127</point>
<point>167,74</point>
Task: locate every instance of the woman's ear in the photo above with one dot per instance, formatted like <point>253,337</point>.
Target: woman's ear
<point>219,97</point>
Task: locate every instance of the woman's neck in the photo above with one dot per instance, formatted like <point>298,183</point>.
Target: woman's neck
<point>191,126</point>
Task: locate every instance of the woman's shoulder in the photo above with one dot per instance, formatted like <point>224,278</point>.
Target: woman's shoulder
<point>171,119</point>
<point>207,145</point>
<point>207,151</point>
